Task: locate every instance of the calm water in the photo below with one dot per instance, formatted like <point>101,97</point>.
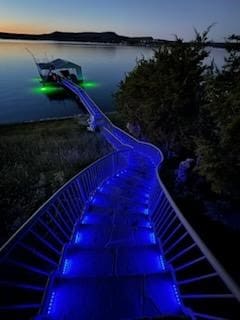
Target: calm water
<point>105,65</point>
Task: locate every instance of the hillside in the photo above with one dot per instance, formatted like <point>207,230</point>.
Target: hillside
<point>107,37</point>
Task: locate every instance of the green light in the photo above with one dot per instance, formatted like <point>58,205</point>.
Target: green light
<point>48,89</point>
<point>89,84</point>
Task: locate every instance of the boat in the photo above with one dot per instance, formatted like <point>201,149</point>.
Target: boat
<point>49,71</point>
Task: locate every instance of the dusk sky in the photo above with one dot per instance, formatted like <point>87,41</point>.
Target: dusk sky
<point>157,18</point>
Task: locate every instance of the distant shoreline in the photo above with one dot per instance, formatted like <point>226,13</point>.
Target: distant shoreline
<point>42,120</point>
<point>105,38</point>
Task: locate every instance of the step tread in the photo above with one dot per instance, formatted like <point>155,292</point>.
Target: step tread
<point>113,298</point>
<point>110,261</point>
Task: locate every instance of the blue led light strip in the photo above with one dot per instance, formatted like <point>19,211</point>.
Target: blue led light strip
<point>51,302</point>
<point>66,266</point>
<point>177,295</point>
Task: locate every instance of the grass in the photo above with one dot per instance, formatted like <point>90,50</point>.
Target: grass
<point>36,159</point>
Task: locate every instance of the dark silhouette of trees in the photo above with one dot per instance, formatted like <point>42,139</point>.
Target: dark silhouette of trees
<point>189,108</point>
<point>218,143</point>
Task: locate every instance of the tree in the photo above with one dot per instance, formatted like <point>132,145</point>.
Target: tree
<point>164,94</point>
<point>190,109</point>
<point>218,146</point>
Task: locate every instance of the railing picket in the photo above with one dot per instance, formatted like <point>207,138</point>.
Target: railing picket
<point>28,267</point>
<point>176,243</point>
<point>161,216</point>
<point>61,218</point>
<point>66,211</point>
<point>182,252</point>
<point>51,232</point>
<point>172,233</point>
<point>80,188</point>
<point>196,279</point>
<point>21,306</point>
<point>156,202</point>
<point>207,316</point>
<point>77,199</point>
<point>88,183</point>
<point>208,296</point>
<point>189,264</point>
<point>162,225</point>
<point>68,203</point>
<point>72,202</point>
<point>37,253</point>
<point>45,242</point>
<point>58,225</point>
<point>26,286</point>
<point>95,176</point>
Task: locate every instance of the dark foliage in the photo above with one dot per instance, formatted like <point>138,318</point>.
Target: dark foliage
<point>218,143</point>
<point>189,109</point>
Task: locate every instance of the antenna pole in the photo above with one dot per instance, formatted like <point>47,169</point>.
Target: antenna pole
<point>34,59</point>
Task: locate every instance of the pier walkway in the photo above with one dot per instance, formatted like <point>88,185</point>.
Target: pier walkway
<point>111,244</point>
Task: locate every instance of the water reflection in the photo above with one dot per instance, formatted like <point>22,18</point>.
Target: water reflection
<point>103,67</point>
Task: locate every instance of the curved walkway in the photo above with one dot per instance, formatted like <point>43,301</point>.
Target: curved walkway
<point>113,267</point>
<point>111,244</point>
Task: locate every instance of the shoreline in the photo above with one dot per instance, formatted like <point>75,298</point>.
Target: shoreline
<point>42,120</point>
<point>220,45</point>
<point>80,116</point>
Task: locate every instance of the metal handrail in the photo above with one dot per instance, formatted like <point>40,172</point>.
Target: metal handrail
<point>25,227</point>
<point>96,111</point>
<point>156,156</point>
<point>227,279</point>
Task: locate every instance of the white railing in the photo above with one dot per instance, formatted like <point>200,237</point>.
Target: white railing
<point>203,281</point>
<point>33,252</point>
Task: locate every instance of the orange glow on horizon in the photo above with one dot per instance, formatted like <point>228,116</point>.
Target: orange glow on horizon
<point>23,28</point>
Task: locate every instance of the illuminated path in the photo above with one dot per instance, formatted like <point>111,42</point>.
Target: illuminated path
<point>113,267</point>
<point>111,244</point>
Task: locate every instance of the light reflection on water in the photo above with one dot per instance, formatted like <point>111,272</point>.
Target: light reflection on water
<point>103,67</point>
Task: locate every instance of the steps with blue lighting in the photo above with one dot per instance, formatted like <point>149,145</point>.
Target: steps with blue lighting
<point>136,220</point>
<point>140,260</point>
<point>82,262</point>
<point>112,298</point>
<point>103,236</point>
<point>113,267</point>
<point>111,261</point>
